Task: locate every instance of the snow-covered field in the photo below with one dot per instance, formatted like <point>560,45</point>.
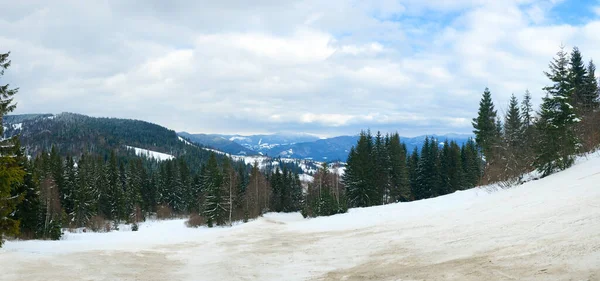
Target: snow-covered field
<point>547,229</point>
<point>151,154</point>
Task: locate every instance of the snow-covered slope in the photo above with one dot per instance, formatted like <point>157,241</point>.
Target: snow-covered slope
<point>546,229</point>
<point>151,154</point>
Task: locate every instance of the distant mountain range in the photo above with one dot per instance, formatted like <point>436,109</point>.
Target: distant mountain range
<point>74,133</point>
<point>301,146</point>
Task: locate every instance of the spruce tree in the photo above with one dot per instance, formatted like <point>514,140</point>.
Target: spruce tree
<point>485,128</point>
<point>528,119</point>
<point>361,184</point>
<point>455,168</point>
<point>471,164</point>
<point>381,166</point>
<point>399,174</point>
<point>215,203</point>
<point>557,142</point>
<point>576,81</point>
<point>590,98</point>
<point>412,164</point>
<point>513,139</point>
<point>84,193</point>
<point>11,173</point>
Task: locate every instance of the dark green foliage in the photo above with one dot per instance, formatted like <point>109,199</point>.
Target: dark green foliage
<point>11,170</point>
<point>591,90</point>
<point>557,142</point>
<point>398,172</point>
<point>471,164</point>
<point>360,176</point>
<point>485,128</point>
<point>576,78</point>
<point>215,203</point>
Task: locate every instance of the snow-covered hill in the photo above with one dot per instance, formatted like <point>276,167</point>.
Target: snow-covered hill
<point>547,229</point>
<point>151,154</point>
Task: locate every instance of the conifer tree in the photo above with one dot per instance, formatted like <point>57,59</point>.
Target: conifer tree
<point>11,173</point>
<point>485,128</point>
<point>576,81</point>
<point>399,174</point>
<point>557,142</point>
<point>591,98</point>
<point>69,182</point>
<point>361,188</point>
<point>528,119</point>
<point>455,168</point>
<point>471,164</point>
<point>412,164</point>
<point>215,203</point>
<point>84,193</point>
<point>513,140</point>
<point>381,163</point>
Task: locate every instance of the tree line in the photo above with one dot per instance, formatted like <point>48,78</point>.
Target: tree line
<point>546,140</point>
<point>381,171</point>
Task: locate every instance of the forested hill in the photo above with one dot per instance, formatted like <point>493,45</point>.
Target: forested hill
<point>74,134</point>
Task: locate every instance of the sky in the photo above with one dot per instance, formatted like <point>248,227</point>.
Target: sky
<point>324,67</point>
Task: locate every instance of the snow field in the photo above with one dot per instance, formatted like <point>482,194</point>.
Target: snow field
<point>546,229</point>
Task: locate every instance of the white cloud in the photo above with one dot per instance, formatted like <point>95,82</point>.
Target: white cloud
<point>322,67</point>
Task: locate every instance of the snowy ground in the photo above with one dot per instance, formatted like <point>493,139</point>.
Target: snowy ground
<point>547,229</point>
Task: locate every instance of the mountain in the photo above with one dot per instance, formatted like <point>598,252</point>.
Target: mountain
<point>74,133</point>
<point>301,146</point>
<point>219,143</point>
<point>263,143</point>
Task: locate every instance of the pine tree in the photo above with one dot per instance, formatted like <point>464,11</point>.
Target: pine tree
<point>576,81</point>
<point>11,173</point>
<point>361,185</point>
<point>471,164</point>
<point>84,193</point>
<point>513,140</point>
<point>215,203</point>
<point>27,212</point>
<point>455,168</point>
<point>428,179</point>
<point>590,99</point>
<point>485,128</point>
<point>381,165</point>
<point>528,119</point>
<point>413,174</point>
<point>399,174</point>
<point>557,142</point>
<point>69,182</point>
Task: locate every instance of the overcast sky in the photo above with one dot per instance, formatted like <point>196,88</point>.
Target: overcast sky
<point>325,67</point>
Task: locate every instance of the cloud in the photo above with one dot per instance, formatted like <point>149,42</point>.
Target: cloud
<point>329,68</point>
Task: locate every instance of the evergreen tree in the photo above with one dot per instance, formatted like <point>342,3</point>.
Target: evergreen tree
<point>557,142</point>
<point>215,203</point>
<point>381,163</point>
<point>413,173</point>
<point>69,182</point>
<point>590,98</point>
<point>485,128</point>
<point>471,164</point>
<point>27,212</point>
<point>513,140</point>
<point>399,174</point>
<point>361,188</point>
<point>455,168</point>
<point>576,81</point>
<point>84,194</point>
<point>11,173</point>
<point>528,145</point>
